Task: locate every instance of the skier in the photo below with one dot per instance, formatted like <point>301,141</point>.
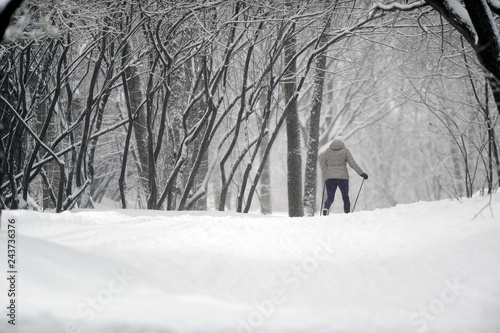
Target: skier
<point>335,162</point>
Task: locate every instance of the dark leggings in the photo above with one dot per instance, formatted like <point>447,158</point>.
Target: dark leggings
<point>331,188</point>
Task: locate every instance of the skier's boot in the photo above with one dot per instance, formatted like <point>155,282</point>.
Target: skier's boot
<point>325,212</point>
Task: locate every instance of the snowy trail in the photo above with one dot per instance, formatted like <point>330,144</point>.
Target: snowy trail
<point>424,267</point>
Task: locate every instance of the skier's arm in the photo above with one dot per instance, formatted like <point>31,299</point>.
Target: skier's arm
<point>353,164</point>
<point>323,162</point>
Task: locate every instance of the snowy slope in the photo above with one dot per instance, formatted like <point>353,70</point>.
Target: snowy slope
<point>423,267</point>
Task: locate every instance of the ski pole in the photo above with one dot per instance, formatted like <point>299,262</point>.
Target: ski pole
<point>358,195</point>
<point>322,199</point>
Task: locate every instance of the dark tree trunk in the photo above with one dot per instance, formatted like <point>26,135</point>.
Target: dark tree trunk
<point>266,206</point>
<point>294,157</point>
<point>313,138</point>
<point>140,124</point>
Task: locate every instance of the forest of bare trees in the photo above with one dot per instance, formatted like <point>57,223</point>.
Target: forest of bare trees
<point>196,105</point>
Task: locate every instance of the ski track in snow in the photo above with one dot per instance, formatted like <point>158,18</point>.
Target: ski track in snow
<point>423,267</point>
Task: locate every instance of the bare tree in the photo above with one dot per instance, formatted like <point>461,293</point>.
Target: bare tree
<point>475,20</point>
<point>155,104</point>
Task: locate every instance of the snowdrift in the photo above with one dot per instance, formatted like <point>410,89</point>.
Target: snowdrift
<point>423,267</point>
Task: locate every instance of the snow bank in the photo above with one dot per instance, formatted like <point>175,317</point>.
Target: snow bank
<point>424,267</point>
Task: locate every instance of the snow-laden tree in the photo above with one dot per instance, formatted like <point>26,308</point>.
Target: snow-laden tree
<point>181,105</point>
<point>476,23</point>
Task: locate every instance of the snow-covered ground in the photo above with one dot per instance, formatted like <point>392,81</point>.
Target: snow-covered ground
<point>423,267</point>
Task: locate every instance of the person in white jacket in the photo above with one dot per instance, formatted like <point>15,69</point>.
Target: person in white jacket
<point>335,161</point>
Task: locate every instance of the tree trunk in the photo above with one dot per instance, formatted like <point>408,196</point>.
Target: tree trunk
<point>313,139</point>
<point>265,178</point>
<point>86,198</point>
<point>140,125</point>
<point>205,142</point>
<point>38,107</point>
<point>294,158</point>
<point>122,178</point>
<point>152,199</point>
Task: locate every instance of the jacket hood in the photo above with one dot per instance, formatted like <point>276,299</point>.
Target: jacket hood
<point>337,145</point>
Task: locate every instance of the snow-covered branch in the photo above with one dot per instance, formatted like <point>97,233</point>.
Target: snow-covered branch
<point>396,6</point>
<point>494,6</point>
<point>455,12</point>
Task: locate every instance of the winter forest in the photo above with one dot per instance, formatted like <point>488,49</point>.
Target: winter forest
<point>226,105</point>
